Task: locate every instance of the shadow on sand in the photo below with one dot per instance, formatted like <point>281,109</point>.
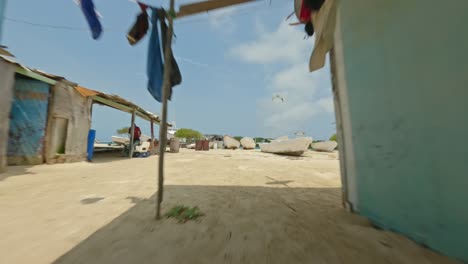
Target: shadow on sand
<point>241,225</point>
<point>13,171</point>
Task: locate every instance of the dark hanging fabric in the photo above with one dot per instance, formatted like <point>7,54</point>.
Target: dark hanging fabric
<point>89,11</point>
<point>314,4</point>
<point>154,65</point>
<point>176,76</point>
<point>139,29</point>
<point>309,28</point>
<point>142,6</point>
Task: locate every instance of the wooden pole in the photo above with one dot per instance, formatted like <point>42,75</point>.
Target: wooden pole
<point>132,132</point>
<point>152,137</point>
<point>165,93</point>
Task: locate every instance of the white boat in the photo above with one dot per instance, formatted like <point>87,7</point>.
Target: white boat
<point>101,147</point>
<point>285,146</point>
<point>171,132</point>
<point>231,143</point>
<point>120,140</point>
<point>191,146</point>
<point>327,146</point>
<point>126,141</point>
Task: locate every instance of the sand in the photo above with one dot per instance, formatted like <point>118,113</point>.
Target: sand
<point>259,208</point>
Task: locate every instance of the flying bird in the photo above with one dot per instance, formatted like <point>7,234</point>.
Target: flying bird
<point>277,96</point>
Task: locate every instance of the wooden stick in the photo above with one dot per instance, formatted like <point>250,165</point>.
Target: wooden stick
<point>205,6</point>
<point>132,132</point>
<point>165,93</point>
<point>152,137</point>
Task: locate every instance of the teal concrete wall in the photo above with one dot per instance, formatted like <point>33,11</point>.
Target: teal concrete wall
<point>406,68</point>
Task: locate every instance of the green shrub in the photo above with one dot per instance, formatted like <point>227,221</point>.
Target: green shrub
<point>188,134</point>
<point>184,213</point>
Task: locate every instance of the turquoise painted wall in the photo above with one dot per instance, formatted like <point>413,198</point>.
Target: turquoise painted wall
<point>406,66</point>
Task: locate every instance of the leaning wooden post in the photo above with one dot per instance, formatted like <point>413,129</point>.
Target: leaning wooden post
<point>152,136</point>
<point>165,93</point>
<point>132,132</point>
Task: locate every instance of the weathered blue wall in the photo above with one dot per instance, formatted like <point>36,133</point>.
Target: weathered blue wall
<point>28,122</point>
<point>406,67</point>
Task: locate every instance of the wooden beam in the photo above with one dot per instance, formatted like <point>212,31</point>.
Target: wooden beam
<point>205,6</point>
<point>34,75</point>
<point>132,135</point>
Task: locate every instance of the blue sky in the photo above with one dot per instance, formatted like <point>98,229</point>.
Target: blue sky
<point>233,61</point>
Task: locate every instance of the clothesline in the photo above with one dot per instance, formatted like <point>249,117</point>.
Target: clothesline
<point>181,21</point>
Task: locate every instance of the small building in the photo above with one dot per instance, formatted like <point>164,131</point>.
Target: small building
<point>400,75</point>
<point>46,118</point>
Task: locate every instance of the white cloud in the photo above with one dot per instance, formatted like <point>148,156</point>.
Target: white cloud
<point>327,104</point>
<point>286,44</point>
<point>306,95</point>
<point>222,19</point>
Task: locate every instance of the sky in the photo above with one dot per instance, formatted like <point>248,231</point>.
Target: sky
<point>236,64</point>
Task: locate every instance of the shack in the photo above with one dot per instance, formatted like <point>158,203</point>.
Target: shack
<point>46,118</point>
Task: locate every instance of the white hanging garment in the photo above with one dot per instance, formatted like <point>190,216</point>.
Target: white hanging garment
<point>324,24</point>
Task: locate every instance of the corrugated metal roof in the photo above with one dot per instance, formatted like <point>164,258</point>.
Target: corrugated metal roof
<point>21,69</point>
<point>111,100</point>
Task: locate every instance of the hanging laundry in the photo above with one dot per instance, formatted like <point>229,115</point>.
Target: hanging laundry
<point>89,10</point>
<point>304,12</point>
<point>325,23</point>
<point>309,28</point>
<point>154,65</point>
<point>314,4</point>
<point>139,29</point>
<point>143,7</point>
<point>176,76</point>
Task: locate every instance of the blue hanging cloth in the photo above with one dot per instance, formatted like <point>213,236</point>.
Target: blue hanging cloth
<point>87,6</point>
<point>155,67</point>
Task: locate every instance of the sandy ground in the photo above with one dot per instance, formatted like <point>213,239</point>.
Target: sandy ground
<point>259,208</point>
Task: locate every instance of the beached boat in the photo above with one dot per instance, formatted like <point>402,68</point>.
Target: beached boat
<point>126,141</point>
<point>247,143</point>
<point>120,140</point>
<point>285,146</point>
<point>105,146</point>
<point>191,146</point>
<point>327,146</point>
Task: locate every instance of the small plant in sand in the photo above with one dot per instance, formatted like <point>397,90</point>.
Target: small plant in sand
<point>184,213</point>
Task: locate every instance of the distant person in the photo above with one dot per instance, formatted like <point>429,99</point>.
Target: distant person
<point>136,134</point>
